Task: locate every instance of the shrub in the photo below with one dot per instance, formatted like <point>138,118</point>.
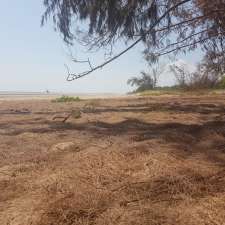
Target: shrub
<point>66,98</point>
<point>199,79</point>
<point>91,106</point>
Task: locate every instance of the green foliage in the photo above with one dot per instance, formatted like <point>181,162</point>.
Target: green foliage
<point>106,19</point>
<point>110,20</point>
<point>163,27</point>
<point>66,98</point>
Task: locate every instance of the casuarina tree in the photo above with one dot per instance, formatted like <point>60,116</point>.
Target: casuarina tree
<point>163,26</point>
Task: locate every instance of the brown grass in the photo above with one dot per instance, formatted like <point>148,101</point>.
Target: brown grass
<point>148,160</point>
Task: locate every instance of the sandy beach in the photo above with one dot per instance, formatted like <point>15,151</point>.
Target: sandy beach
<point>49,96</point>
<point>143,160</point>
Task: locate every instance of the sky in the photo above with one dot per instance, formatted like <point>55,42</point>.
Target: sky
<point>32,57</point>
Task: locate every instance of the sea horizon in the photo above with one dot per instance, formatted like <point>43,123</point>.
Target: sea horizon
<point>47,94</point>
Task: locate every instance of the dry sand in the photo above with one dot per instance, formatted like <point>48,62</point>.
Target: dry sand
<point>153,160</point>
<point>50,96</point>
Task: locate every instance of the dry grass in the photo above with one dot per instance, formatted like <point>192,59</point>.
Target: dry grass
<point>154,160</point>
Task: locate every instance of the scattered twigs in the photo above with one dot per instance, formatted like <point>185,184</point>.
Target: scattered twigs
<point>74,113</point>
<point>126,203</point>
<point>64,118</point>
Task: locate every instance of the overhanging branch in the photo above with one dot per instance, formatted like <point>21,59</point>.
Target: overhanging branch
<point>72,76</point>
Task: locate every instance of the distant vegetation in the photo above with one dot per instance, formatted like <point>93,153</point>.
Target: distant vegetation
<point>143,83</point>
<point>205,77</point>
<point>66,98</point>
<point>147,80</point>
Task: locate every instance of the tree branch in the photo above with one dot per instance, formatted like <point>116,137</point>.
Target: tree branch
<point>185,46</point>
<point>72,76</point>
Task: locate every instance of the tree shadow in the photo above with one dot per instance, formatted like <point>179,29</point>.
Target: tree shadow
<point>203,108</point>
<point>186,184</point>
<point>185,136</point>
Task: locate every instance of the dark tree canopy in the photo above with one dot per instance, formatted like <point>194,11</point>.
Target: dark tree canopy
<point>164,26</point>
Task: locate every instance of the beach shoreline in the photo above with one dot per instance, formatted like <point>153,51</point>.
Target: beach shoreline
<point>49,96</point>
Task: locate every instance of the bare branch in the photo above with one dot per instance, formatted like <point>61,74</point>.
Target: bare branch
<point>187,45</point>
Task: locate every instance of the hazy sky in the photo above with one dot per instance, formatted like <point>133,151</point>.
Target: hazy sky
<point>32,58</point>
